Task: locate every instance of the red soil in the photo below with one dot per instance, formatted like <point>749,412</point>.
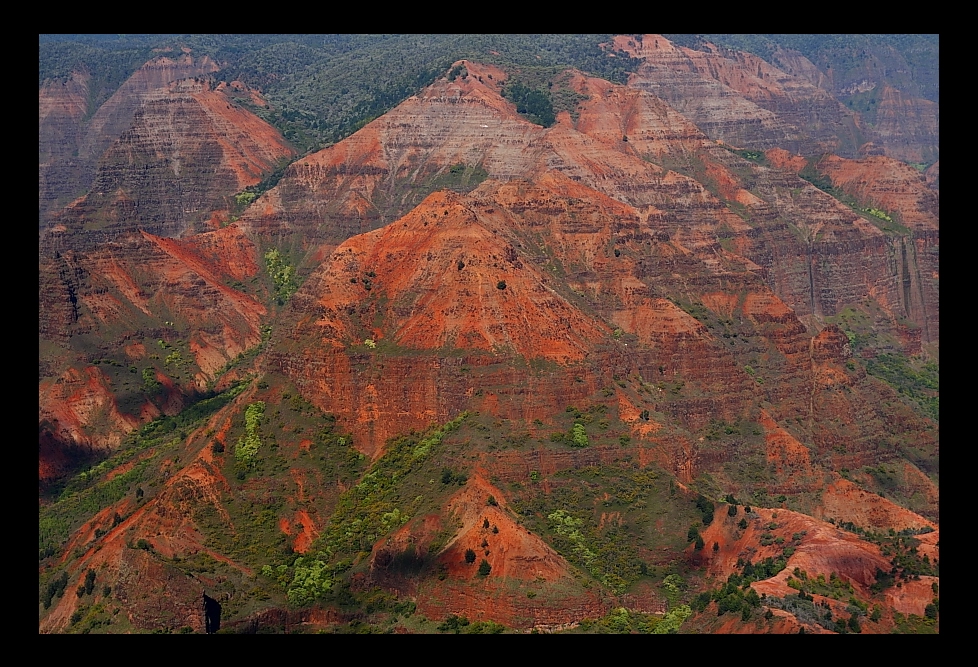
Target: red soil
<point>844,501</point>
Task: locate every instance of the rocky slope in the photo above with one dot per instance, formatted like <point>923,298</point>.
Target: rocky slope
<point>159,319</point>
<point>737,98</point>
<point>186,151</point>
<point>165,154</point>
<point>73,137</point>
<point>554,348</point>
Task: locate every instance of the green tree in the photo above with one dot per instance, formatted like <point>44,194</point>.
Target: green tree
<point>579,437</point>
<point>705,505</point>
<point>454,623</point>
<point>484,568</point>
<point>469,556</point>
<point>89,582</point>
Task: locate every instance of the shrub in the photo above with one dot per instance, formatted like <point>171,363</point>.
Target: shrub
<point>705,506</point>
<point>454,623</point>
<point>249,443</point>
<point>89,582</point>
<point>579,437</point>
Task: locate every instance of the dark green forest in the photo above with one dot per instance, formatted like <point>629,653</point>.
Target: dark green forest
<point>322,88</point>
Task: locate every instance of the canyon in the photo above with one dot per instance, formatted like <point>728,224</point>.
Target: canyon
<point>461,371</point>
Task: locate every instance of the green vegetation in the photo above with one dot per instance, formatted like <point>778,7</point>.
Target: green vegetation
<point>574,516</point>
<point>919,382</point>
<point>282,274</point>
<point>55,588</point>
<point>367,511</point>
<point>565,98</point>
<point>706,507</point>
<point>579,437</point>
<point>757,157</point>
<point>880,218</point>
<point>835,587</point>
<point>531,103</point>
<point>249,443</point>
<point>460,177</point>
<point>911,624</point>
<point>462,625</point>
<point>623,621</point>
<point>807,611</point>
<point>90,491</point>
<point>150,384</point>
<point>322,88</point>
<point>902,549</point>
<point>735,596</point>
<point>577,434</point>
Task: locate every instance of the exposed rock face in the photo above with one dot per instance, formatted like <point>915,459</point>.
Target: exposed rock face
<point>739,99</point>
<point>933,175</point>
<point>906,266</point>
<point>908,127</point>
<point>61,107</point>
<point>462,258</point>
<point>623,229</point>
<point>163,154</point>
<point>844,501</point>
<point>515,557</point>
<point>115,302</point>
<point>888,184</point>
<point>186,151</point>
<point>788,226</point>
<point>73,137</point>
